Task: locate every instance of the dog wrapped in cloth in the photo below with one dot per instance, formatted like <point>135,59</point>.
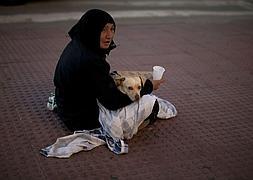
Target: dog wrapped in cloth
<point>131,82</point>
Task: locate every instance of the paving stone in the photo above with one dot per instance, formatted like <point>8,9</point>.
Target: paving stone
<point>211,86</point>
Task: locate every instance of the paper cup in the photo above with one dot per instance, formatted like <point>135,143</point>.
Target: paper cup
<point>158,72</point>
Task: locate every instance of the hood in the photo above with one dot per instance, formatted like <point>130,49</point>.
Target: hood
<point>89,28</point>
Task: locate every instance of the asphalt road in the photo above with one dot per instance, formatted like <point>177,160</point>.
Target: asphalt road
<point>56,10</point>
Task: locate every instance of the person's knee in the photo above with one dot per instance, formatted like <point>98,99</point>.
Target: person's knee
<point>148,97</point>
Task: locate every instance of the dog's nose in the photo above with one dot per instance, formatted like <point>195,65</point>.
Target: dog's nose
<point>137,97</point>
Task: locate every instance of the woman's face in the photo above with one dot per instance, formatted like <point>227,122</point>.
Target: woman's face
<point>106,36</point>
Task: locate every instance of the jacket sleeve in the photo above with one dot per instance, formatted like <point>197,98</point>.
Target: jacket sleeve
<point>106,91</point>
<point>147,87</point>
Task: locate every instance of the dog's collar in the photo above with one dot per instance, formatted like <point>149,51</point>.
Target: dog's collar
<point>141,82</point>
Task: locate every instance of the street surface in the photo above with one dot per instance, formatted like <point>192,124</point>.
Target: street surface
<point>206,48</point>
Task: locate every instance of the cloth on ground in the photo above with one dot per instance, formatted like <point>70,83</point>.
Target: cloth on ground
<point>116,126</point>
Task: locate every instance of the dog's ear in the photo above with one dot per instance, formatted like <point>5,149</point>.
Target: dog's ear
<point>119,81</point>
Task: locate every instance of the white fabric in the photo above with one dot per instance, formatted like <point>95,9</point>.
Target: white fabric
<point>124,123</point>
<point>115,127</point>
<point>65,146</point>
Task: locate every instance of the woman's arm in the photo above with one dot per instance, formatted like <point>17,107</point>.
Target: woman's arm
<point>107,92</point>
<point>147,87</point>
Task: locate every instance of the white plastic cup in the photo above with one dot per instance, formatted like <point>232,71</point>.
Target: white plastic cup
<point>158,72</point>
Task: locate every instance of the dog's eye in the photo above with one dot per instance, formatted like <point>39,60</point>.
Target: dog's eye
<point>139,87</point>
<point>130,88</point>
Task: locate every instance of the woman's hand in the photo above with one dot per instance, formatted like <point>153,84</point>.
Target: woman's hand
<point>157,83</point>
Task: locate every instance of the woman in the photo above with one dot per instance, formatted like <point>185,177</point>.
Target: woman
<point>82,75</point>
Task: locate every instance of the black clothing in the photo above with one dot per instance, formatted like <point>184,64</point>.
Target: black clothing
<point>153,116</point>
<point>82,76</point>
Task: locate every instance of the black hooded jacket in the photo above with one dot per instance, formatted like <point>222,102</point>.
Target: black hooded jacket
<point>82,75</point>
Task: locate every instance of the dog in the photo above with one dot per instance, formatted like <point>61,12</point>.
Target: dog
<point>129,85</point>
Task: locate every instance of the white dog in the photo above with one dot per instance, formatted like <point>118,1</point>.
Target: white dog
<point>129,85</point>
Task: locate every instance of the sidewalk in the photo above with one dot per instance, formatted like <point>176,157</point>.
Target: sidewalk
<point>209,78</point>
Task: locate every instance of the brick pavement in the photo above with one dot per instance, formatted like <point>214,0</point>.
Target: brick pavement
<point>209,78</point>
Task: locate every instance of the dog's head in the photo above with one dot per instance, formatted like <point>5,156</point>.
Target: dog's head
<point>130,85</point>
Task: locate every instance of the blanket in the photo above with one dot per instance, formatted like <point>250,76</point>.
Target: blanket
<point>116,127</point>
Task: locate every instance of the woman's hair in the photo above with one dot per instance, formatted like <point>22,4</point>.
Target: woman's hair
<point>89,28</point>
